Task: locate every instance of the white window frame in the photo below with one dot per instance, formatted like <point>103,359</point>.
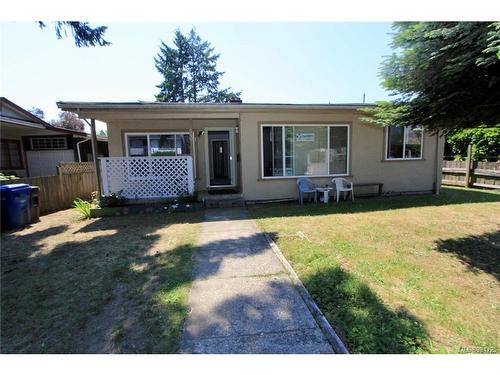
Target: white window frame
<point>386,151</point>
<point>64,147</point>
<point>283,125</point>
<point>147,138</point>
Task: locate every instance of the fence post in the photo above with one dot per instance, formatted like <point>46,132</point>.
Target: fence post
<point>468,165</point>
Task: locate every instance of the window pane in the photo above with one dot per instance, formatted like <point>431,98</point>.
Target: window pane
<point>267,151</point>
<point>137,145</point>
<point>395,142</point>
<point>48,143</point>
<point>5,155</point>
<point>277,151</point>
<point>289,169</point>
<point>413,140</point>
<point>183,144</point>
<point>162,145</point>
<point>15,162</point>
<point>338,149</point>
<point>310,143</point>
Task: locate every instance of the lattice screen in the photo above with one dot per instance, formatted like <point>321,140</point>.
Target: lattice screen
<point>148,177</point>
<point>76,167</point>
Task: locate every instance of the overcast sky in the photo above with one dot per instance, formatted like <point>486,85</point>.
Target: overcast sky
<point>269,62</point>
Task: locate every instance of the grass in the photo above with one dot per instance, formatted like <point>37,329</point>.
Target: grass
<point>116,285</point>
<point>413,274</point>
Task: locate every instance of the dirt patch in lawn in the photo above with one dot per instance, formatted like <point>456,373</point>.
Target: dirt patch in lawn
<point>108,285</point>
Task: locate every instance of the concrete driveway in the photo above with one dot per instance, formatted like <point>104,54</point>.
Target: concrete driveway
<point>242,299</point>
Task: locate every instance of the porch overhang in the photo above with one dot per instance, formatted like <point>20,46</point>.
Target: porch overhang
<point>107,111</point>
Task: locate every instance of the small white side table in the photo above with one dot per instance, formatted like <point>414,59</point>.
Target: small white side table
<point>326,193</point>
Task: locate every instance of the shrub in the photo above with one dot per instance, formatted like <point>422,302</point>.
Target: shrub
<point>83,207</point>
<point>113,200</point>
<point>7,177</point>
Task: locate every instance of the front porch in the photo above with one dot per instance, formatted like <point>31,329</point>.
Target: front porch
<point>152,177</point>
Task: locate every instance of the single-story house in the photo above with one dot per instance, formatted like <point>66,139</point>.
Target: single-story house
<point>257,150</point>
<point>31,147</point>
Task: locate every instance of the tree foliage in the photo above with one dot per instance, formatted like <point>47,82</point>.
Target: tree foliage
<point>83,34</point>
<point>102,133</point>
<point>189,71</point>
<point>485,143</point>
<point>37,112</point>
<point>68,120</point>
<point>444,75</point>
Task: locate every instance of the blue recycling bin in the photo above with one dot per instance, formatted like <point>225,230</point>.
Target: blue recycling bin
<point>15,205</point>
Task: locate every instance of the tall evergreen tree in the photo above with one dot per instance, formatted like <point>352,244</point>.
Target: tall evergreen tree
<point>189,71</point>
<point>444,75</point>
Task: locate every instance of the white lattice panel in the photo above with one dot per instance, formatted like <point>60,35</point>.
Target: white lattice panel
<point>148,177</point>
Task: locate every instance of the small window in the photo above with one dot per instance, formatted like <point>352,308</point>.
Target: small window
<point>404,142</point>
<point>158,144</point>
<point>137,145</point>
<point>11,154</point>
<point>48,143</point>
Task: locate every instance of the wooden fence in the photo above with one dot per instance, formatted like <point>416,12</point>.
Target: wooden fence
<point>58,192</point>
<point>483,174</point>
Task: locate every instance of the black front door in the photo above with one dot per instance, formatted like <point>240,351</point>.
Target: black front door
<point>220,173</point>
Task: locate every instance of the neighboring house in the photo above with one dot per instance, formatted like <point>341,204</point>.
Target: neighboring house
<point>259,150</point>
<point>32,147</point>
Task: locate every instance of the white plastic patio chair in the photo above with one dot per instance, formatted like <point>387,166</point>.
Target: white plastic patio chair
<point>342,186</point>
<point>306,186</point>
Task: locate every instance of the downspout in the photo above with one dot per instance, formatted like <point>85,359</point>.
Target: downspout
<point>78,149</point>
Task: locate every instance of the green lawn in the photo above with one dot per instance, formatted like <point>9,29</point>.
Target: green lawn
<point>112,285</point>
<point>410,274</point>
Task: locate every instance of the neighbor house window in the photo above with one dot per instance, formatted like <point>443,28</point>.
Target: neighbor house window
<point>404,142</point>
<point>158,144</point>
<point>304,150</point>
<point>48,143</point>
<point>11,154</point>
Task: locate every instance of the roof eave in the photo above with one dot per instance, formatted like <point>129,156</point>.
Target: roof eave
<point>189,107</point>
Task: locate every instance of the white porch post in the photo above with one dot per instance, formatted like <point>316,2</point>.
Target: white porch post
<point>190,175</point>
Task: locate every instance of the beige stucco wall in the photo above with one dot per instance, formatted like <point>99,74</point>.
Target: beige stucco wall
<point>367,164</point>
<point>367,147</point>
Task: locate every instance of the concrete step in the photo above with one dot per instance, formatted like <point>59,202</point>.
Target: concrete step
<point>223,200</point>
<point>224,203</point>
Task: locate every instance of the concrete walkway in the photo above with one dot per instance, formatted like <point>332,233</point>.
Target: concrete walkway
<point>242,300</point>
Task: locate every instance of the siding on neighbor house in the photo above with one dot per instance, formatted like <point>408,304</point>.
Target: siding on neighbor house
<point>366,158</point>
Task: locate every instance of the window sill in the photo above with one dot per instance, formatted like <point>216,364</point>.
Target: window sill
<point>297,177</point>
<point>404,160</point>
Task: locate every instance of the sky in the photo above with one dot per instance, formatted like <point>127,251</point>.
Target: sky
<point>269,62</point>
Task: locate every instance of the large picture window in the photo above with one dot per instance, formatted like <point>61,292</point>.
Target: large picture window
<point>304,150</point>
<point>158,144</point>
<point>404,142</point>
